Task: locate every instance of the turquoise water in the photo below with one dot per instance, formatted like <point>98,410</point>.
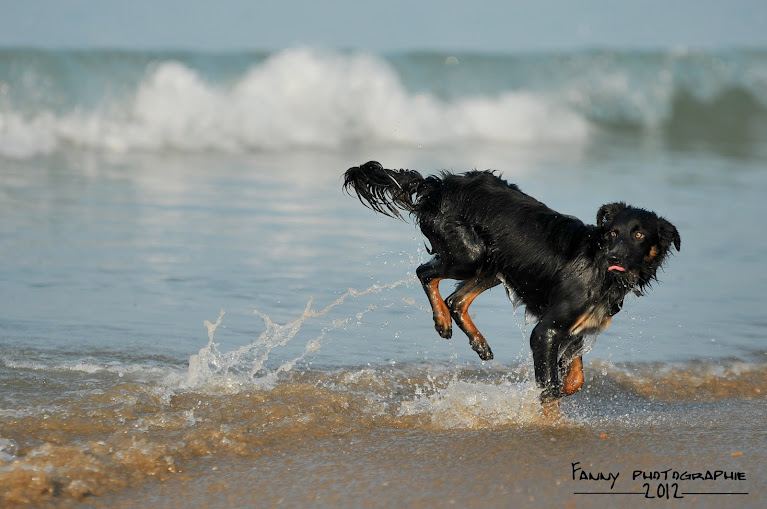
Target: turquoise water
<point>250,102</point>
<point>142,194</point>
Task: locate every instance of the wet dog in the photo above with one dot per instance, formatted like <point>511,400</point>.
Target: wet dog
<point>483,231</point>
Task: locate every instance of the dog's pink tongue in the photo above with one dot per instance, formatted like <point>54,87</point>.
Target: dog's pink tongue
<point>616,267</point>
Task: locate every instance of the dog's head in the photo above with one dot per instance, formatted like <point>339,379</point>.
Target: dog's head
<point>635,242</point>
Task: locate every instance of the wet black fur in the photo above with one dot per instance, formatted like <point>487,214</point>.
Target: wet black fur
<point>483,230</point>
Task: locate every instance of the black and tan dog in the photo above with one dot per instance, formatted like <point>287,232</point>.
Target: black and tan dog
<point>484,231</point>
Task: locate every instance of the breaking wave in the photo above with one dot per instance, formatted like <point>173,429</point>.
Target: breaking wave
<point>296,98</point>
<point>307,98</point>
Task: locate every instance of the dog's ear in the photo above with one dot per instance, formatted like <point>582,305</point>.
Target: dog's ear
<point>668,234</point>
<point>607,213</point>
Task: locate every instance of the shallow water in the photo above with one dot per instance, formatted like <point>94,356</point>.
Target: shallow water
<point>322,381</point>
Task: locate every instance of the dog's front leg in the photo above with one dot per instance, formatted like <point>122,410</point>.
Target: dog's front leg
<point>545,342</point>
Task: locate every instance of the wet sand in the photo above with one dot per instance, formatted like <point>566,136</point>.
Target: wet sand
<point>401,436</point>
<point>523,467</point>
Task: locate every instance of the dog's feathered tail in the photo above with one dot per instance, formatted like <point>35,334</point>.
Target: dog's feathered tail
<point>385,191</point>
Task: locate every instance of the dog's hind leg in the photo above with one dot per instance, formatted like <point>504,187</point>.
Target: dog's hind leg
<point>458,303</point>
<point>460,253</point>
<point>430,274</point>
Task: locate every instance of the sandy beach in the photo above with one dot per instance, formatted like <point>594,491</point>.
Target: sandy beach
<point>537,466</point>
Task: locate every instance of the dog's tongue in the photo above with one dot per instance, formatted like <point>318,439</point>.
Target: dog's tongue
<point>615,267</point>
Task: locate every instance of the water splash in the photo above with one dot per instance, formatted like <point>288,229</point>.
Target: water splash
<point>476,405</point>
<point>246,365</point>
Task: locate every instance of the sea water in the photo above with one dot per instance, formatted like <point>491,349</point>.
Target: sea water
<point>184,285</point>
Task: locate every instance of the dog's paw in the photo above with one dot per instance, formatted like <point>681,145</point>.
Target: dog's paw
<point>482,349</point>
<point>444,331</point>
<point>443,325</point>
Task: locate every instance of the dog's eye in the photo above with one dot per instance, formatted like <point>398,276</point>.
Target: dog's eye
<point>613,233</point>
<point>638,235</point>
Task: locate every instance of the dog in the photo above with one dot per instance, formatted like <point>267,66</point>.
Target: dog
<point>483,231</point>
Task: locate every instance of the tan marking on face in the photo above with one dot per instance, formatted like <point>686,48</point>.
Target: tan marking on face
<point>652,254</point>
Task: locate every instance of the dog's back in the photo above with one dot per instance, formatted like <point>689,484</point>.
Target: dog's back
<point>521,238</point>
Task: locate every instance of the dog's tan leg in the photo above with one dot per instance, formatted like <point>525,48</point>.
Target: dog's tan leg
<point>430,274</point>
<point>459,303</point>
<point>572,381</point>
<point>442,322</point>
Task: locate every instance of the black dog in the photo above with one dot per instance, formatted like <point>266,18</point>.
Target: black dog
<point>484,231</point>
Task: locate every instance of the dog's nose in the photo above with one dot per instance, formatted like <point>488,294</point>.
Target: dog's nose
<point>615,257</point>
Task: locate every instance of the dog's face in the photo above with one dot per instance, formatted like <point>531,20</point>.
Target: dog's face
<point>635,241</point>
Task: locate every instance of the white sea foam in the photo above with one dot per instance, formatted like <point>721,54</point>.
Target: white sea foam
<point>89,366</point>
<point>309,98</point>
<point>471,405</point>
<point>296,98</point>
<point>8,450</point>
